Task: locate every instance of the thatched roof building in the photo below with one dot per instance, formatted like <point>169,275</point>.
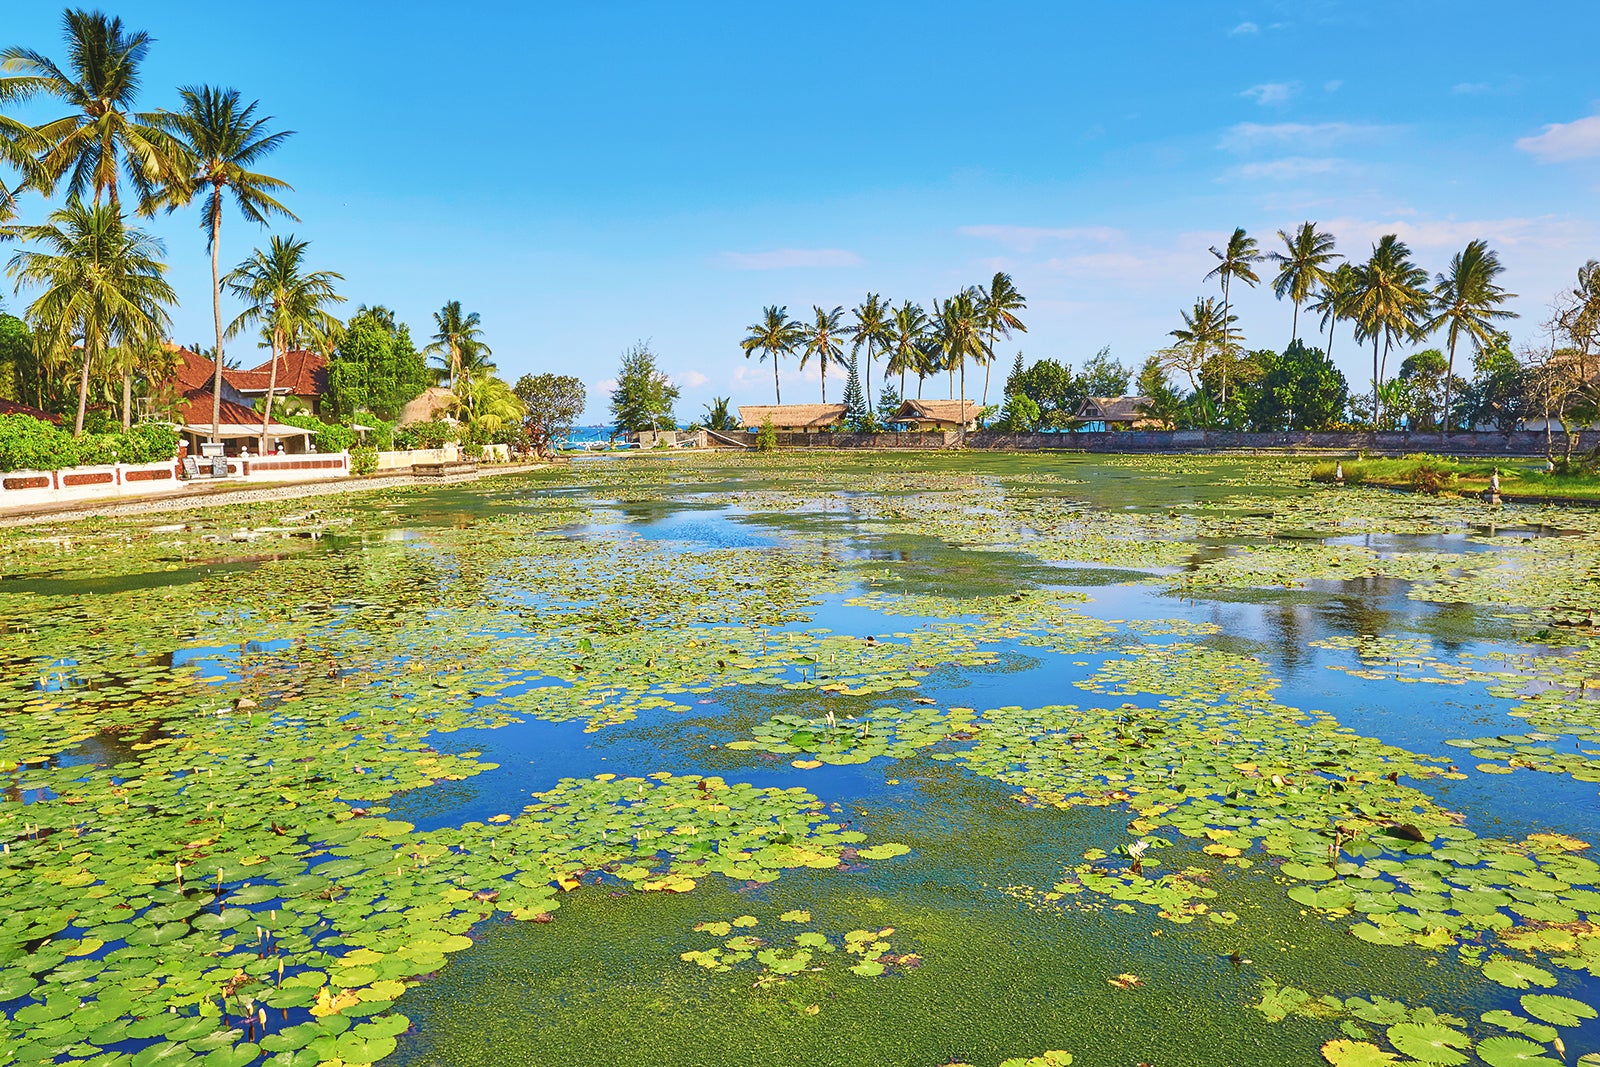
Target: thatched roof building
<point>1117,412</point>
<point>938,414</point>
<point>792,418</point>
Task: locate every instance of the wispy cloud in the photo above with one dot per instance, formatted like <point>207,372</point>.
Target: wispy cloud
<point>1289,168</point>
<point>1537,234</point>
<point>1026,238</point>
<point>784,258</point>
<point>689,379</point>
<point>1562,142</point>
<point>1332,85</point>
<point>1471,88</point>
<point>1250,136</point>
<point>1243,29</point>
<point>609,385</point>
<point>1269,94</point>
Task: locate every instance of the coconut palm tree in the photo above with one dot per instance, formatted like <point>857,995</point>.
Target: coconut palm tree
<point>101,135</point>
<point>776,335</point>
<point>103,284</point>
<point>283,297</point>
<point>1332,302</point>
<point>1467,302</point>
<point>998,305</point>
<point>908,336</point>
<point>822,340</point>
<point>1302,267</point>
<point>221,141</point>
<point>1390,302</point>
<point>1205,334</point>
<point>1233,263</point>
<point>872,329</point>
<point>957,334</point>
<point>457,338</point>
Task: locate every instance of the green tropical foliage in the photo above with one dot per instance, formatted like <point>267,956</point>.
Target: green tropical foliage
<point>285,299</point>
<point>719,415</point>
<point>1302,267</point>
<point>1467,302</point>
<point>873,329</point>
<point>1233,264</point>
<point>1389,302</point>
<point>376,367</point>
<point>457,342</point>
<point>102,284</point>
<point>644,396</point>
<point>552,405</point>
<point>998,305</point>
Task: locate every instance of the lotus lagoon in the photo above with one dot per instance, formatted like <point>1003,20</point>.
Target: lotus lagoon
<point>806,759</point>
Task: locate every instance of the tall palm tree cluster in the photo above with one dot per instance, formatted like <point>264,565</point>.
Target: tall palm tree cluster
<point>1387,298</point>
<point>963,327</point>
<point>100,280</point>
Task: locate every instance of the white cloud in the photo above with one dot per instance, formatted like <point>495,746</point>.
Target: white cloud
<point>1268,94</point>
<point>1244,28</point>
<point>784,258</point>
<point>1543,234</point>
<point>1289,168</point>
<point>691,379</point>
<point>606,387</point>
<point>1562,142</point>
<point>1025,238</point>
<point>1471,88</point>
<point>1332,85</point>
<point>1248,136</point>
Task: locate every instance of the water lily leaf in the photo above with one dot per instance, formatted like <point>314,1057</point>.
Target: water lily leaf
<point>1511,1052</point>
<point>1341,1052</point>
<point>1430,1043</point>
<point>1560,1011</point>
<point>1516,974</point>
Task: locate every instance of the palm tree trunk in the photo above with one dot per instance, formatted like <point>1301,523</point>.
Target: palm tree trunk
<point>824,363</point>
<point>1375,400</point>
<point>127,400</point>
<point>777,390</point>
<point>1223,401</point>
<point>987,366</point>
<point>1449,374</point>
<point>272,385</point>
<point>1295,323</point>
<point>216,315</point>
<point>83,385</point>
<point>869,377</point>
<point>961,412</point>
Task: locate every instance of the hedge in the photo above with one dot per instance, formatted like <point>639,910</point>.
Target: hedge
<point>27,443</point>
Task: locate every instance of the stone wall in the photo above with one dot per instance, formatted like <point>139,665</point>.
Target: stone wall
<point>1525,443</point>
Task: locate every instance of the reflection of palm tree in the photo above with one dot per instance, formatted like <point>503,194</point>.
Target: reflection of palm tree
<point>221,141</point>
<point>1233,263</point>
<point>1302,267</point>
<point>1468,301</point>
<point>1389,299</point>
<point>822,340</point>
<point>101,282</point>
<point>997,306</point>
<point>290,302</point>
<point>908,337</point>
<point>776,335</point>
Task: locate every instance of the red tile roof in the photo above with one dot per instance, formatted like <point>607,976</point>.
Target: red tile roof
<point>195,410</point>
<point>11,407</point>
<point>300,373</point>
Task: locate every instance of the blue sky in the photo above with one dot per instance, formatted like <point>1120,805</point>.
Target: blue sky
<point>587,175</point>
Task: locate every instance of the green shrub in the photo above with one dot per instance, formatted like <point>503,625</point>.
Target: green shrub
<point>148,442</point>
<point>435,434</point>
<point>767,436</point>
<point>26,443</point>
<point>1428,479</point>
<point>363,460</point>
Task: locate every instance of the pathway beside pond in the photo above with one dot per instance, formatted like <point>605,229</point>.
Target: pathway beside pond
<point>208,495</point>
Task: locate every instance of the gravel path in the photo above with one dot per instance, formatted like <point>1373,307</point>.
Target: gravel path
<point>211,496</point>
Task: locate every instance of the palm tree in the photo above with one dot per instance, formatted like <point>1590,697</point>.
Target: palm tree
<point>871,328</point>
<point>104,284</point>
<point>957,334</point>
<point>1333,301</point>
<point>717,416</point>
<point>1207,333</point>
<point>822,341</point>
<point>908,338</point>
<point>220,142</point>
<point>457,338</point>
<point>101,135</point>
<point>1389,302</point>
<point>1467,301</point>
<point>998,306</point>
<point>776,335</point>
<point>1233,262</point>
<point>283,297</point>
<point>1302,267</point>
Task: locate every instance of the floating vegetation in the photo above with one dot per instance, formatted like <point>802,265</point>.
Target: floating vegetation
<point>261,789</point>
